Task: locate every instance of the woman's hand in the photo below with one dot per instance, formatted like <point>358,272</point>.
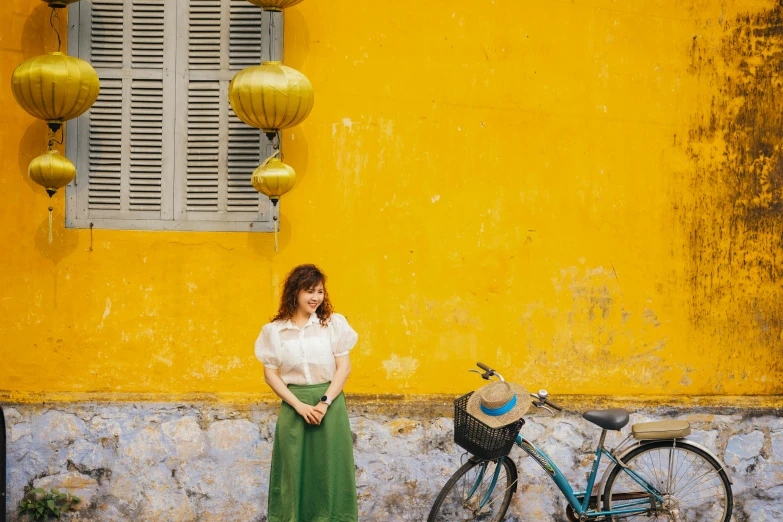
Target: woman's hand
<point>310,414</point>
<point>320,410</point>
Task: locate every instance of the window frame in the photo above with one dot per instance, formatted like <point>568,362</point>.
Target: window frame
<point>171,216</point>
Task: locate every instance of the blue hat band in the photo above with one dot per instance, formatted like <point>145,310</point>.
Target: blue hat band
<point>497,412</point>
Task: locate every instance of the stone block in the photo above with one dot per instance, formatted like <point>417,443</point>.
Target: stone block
<point>73,483</point>
<point>88,455</point>
<point>57,429</point>
<point>142,448</point>
<point>742,448</point>
<point>186,437</point>
<point>232,437</point>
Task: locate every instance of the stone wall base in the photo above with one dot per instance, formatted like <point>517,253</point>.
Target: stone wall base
<point>210,462</point>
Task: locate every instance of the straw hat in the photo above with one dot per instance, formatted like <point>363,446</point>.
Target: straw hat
<point>499,404</point>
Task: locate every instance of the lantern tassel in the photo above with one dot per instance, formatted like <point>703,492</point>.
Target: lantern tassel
<point>276,245</point>
<point>50,225</point>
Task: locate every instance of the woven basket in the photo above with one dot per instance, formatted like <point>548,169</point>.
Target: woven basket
<point>479,439</point>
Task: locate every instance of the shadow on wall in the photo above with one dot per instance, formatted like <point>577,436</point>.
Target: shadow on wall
<point>295,154</point>
<point>34,143</point>
<point>38,37</point>
<point>297,36</point>
<point>64,240</point>
<point>263,243</point>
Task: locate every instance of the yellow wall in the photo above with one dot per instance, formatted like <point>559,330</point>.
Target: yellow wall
<point>561,189</point>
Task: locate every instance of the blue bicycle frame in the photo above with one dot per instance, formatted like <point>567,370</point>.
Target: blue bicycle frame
<point>579,500</point>
<point>581,508</point>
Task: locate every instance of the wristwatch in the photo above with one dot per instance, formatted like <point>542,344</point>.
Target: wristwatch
<point>326,400</point>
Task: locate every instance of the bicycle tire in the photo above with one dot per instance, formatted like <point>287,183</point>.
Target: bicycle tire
<point>638,455</point>
<point>510,488</point>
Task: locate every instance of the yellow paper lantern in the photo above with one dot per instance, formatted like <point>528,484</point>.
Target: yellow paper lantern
<point>52,171</point>
<point>271,96</point>
<point>55,87</point>
<point>59,4</point>
<point>275,5</point>
<point>274,178</point>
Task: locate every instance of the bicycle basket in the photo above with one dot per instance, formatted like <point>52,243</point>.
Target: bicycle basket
<point>479,439</point>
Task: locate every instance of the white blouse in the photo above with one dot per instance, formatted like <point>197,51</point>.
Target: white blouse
<point>306,355</point>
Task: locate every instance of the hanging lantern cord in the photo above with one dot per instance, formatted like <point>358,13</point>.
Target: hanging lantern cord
<point>52,141</point>
<point>275,153</point>
<point>271,37</point>
<point>56,14</point>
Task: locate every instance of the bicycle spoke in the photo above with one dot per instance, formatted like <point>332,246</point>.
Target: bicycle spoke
<point>701,466</point>
<point>502,493</point>
<point>696,481</point>
<point>688,481</point>
<point>700,499</point>
<point>459,505</point>
<point>681,472</point>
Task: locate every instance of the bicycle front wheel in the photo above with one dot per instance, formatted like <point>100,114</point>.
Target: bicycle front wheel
<point>693,484</point>
<point>469,496</point>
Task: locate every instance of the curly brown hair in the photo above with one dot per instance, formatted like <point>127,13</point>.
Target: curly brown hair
<point>303,277</point>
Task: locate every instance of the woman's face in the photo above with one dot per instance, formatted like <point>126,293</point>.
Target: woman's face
<point>310,299</point>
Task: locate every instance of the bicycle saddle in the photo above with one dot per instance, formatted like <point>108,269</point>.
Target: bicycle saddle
<point>613,419</point>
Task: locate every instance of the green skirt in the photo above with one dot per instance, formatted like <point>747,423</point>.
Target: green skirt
<point>313,476</point>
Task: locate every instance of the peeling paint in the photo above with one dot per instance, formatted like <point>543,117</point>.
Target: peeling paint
<point>734,225</point>
<point>106,312</point>
<point>400,368</point>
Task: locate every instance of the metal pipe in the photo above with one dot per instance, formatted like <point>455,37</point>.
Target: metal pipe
<point>602,440</point>
<point>2,465</point>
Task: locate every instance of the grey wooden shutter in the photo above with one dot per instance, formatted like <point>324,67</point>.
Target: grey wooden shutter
<point>124,144</point>
<point>217,153</point>
<point>104,151</point>
<point>161,148</point>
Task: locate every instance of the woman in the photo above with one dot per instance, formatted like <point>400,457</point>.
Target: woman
<point>305,354</point>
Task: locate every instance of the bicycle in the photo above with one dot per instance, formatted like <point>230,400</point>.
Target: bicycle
<point>659,475</point>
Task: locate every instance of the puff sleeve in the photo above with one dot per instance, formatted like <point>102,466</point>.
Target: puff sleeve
<point>344,338</point>
<point>266,351</point>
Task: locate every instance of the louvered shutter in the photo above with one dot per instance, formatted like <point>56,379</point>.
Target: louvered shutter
<point>161,148</point>
<point>217,153</point>
<point>124,145</point>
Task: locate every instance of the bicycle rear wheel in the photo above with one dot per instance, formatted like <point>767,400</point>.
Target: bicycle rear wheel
<point>461,498</point>
<point>692,482</point>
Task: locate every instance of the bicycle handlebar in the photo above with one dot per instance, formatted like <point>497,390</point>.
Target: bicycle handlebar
<point>541,400</point>
<point>488,372</point>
